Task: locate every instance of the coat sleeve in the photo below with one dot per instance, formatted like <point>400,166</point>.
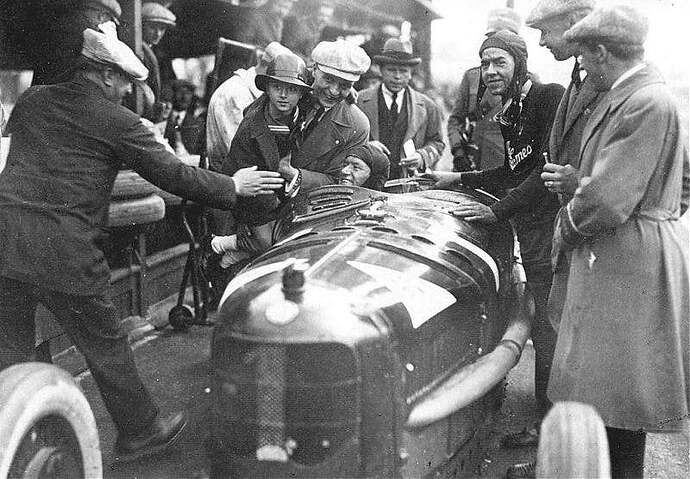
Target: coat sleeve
<point>433,138</point>
<point>456,120</point>
<point>137,148</point>
<point>620,176</point>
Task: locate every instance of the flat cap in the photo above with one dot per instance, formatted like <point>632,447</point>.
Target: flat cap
<point>111,5</point>
<point>106,49</point>
<point>155,12</point>
<point>548,9</point>
<point>616,24</point>
<point>503,19</point>
<point>342,59</point>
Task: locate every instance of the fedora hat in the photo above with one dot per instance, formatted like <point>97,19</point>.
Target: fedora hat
<point>285,68</point>
<point>397,52</point>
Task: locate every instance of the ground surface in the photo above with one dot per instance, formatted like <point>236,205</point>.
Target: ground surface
<point>174,366</point>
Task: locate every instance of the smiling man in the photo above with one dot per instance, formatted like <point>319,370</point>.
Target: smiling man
<point>398,114</point>
<point>525,119</point>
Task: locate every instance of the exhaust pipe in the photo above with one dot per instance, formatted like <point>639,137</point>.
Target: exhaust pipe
<point>475,380</point>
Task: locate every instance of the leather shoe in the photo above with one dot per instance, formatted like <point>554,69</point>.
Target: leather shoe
<point>528,437</point>
<point>163,433</point>
<point>524,470</point>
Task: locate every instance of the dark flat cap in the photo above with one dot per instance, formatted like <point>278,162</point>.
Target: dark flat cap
<point>549,9</point>
<point>617,24</point>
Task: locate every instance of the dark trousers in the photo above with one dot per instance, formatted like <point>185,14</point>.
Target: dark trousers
<point>543,338</point>
<point>91,322</point>
<point>626,451</point>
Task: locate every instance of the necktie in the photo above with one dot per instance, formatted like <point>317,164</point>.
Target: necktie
<point>575,76</point>
<point>394,110</point>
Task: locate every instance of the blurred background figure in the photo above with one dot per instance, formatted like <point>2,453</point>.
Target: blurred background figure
<point>374,45</point>
<point>263,24</point>
<point>475,138</point>
<point>370,79</point>
<point>302,28</point>
<point>185,126</point>
<point>156,20</point>
<point>55,58</point>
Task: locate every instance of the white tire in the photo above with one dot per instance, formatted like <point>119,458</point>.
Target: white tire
<point>136,211</point>
<point>45,421</point>
<point>573,443</point>
<point>129,184</point>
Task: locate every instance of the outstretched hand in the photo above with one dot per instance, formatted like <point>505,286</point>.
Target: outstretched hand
<point>252,182</point>
<point>475,212</point>
<point>443,179</point>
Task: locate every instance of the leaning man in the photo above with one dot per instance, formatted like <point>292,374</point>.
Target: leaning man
<point>68,143</point>
<point>623,342</point>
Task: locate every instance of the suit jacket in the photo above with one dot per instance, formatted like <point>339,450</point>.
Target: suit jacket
<point>623,342</point>
<point>322,154</point>
<point>68,143</point>
<point>572,115</point>
<point>423,125</point>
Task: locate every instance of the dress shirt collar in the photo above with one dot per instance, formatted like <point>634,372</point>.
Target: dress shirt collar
<point>628,74</point>
<point>388,97</point>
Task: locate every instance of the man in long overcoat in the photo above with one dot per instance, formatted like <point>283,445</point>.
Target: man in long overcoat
<point>623,342</point>
<point>399,114</point>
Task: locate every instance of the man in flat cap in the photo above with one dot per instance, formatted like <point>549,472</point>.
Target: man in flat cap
<point>55,59</point>
<point>405,124</point>
<point>331,125</point>
<point>525,120</point>
<point>155,22</point>
<point>68,143</point>
<point>475,139</point>
<point>623,341</point>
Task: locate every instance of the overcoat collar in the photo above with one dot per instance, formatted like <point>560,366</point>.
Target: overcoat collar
<point>612,100</point>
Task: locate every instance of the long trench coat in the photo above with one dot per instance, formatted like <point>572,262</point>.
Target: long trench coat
<point>623,340</point>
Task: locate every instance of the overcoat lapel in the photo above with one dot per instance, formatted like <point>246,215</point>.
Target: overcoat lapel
<point>369,104</point>
<point>584,99</point>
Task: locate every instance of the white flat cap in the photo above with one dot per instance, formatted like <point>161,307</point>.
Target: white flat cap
<point>105,49</point>
<point>342,59</point>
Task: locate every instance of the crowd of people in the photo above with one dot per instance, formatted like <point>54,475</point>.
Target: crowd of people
<point>593,178</point>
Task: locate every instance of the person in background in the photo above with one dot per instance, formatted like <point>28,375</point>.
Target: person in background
<point>475,138</point>
<point>56,58</point>
<point>302,28</point>
<point>155,21</point>
<point>370,79</point>
<point>227,104</point>
<point>526,117</point>
<point>554,18</point>
<point>185,125</point>
<point>263,24</point>
<point>365,166</point>
<point>374,45</point>
<point>405,124</point>
<point>623,339</point>
<point>68,143</point>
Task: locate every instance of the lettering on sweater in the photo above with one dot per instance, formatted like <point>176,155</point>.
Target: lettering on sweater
<point>514,159</point>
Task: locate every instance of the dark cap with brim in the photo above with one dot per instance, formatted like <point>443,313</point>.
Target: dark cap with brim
<point>397,52</point>
<point>285,68</point>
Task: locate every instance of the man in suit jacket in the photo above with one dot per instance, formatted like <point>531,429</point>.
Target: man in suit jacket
<point>398,114</point>
<point>68,143</point>
<point>331,125</point>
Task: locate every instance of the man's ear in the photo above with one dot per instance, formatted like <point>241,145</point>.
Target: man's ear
<point>601,53</point>
<point>108,76</point>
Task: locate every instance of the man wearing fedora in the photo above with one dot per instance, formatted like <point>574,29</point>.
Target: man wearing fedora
<point>68,142</point>
<point>405,124</point>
